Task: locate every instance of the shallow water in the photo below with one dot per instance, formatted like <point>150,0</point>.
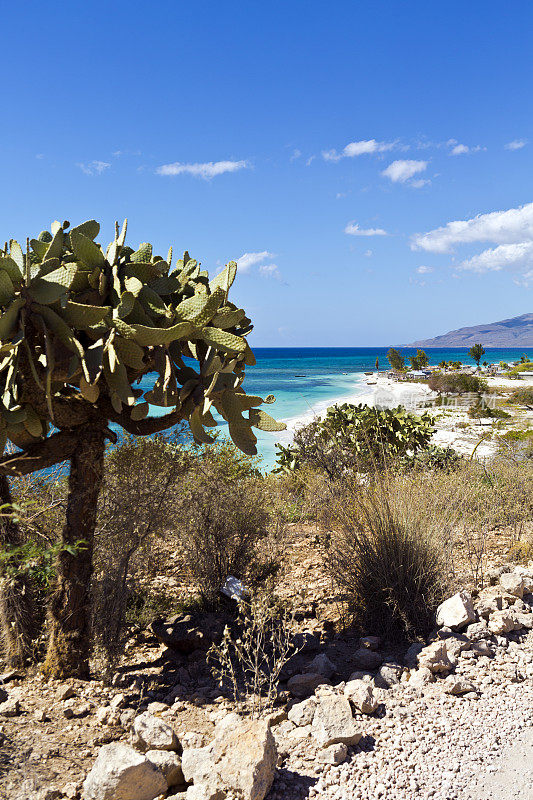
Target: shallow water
<point>305,381</point>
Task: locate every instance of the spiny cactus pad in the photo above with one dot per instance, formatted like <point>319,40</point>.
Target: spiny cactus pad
<point>80,326</point>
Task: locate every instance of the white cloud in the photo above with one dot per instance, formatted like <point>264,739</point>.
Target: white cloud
<point>368,253</point>
<point>511,231</point>
<point>248,260</point>
<point>501,227</point>
<point>353,229</point>
<point>296,154</point>
<point>513,257</point>
<point>310,160</point>
<point>401,171</point>
<point>363,147</point>
<point>419,182</point>
<point>424,270</point>
<point>516,144</point>
<point>463,149</point>
<point>270,271</point>
<point>207,170</point>
<point>94,167</point>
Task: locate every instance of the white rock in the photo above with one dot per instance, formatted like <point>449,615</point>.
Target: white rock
<point>512,583</point>
<point>456,612</point>
<point>152,733</point>
<point>456,685</point>
<point>501,622</point>
<point>362,696</point>
<point>242,758</point>
<point>334,754</point>
<point>120,772</point>
<point>303,713</point>
<point>420,677</point>
<point>333,722</point>
<point>435,657</point>
<point>389,674</point>
<point>169,763</point>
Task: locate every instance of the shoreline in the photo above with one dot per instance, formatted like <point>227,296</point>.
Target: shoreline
<point>449,421</point>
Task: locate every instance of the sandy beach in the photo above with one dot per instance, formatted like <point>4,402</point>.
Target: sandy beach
<point>455,428</point>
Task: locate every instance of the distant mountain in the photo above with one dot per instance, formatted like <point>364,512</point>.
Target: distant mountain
<point>515,332</point>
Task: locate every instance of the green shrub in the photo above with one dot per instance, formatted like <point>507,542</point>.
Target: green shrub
<point>523,397</point>
<point>434,457</point>
<point>479,410</point>
<point>356,437</point>
<point>456,383</point>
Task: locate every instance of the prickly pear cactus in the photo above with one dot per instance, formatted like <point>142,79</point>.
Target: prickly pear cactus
<point>80,326</point>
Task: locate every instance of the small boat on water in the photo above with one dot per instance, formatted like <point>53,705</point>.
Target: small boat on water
<point>369,373</point>
<point>371,383</point>
<point>300,376</point>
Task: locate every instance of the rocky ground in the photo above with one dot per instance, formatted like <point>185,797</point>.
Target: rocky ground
<point>451,720</point>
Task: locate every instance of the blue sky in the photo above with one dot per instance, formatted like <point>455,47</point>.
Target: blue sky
<point>369,163</point>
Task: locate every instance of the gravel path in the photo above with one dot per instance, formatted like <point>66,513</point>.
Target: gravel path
<point>433,745</point>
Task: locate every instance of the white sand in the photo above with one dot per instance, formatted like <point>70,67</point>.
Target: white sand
<point>509,383</point>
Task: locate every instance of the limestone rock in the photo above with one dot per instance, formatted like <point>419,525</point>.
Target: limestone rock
<point>389,674</point>
<point>455,645</point>
<point>363,658</point>
<point>457,611</point>
<point>483,648</point>
<point>362,696</point>
<point>456,685</point>
<point>303,713</point>
<point>435,657</point>
<point>152,733</point>
<point>333,722</point>
<point>10,708</point>
<point>513,583</point>
<point>522,620</point>
<point>501,622</point>
<point>304,684</point>
<point>170,765</point>
<point>120,772</point>
<point>421,677</point>
<point>242,758</point>
<point>321,665</point>
<point>334,754</point>
<point>478,631</point>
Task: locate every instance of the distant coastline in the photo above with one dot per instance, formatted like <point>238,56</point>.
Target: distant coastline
<point>513,332</point>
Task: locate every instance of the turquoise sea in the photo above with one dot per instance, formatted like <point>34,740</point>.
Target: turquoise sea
<point>305,381</point>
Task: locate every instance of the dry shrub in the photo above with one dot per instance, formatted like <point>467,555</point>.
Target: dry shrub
<point>224,529</point>
<point>250,657</point>
<point>387,557</point>
<point>142,476</point>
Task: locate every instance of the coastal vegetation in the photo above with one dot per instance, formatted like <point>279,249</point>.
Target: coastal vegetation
<point>395,359</point>
<point>120,529</point>
<point>456,383</point>
<point>476,352</point>
<point>419,361</point>
<point>80,326</point>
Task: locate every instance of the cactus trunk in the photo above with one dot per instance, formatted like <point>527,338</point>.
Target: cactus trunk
<point>69,645</point>
<point>18,615</point>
